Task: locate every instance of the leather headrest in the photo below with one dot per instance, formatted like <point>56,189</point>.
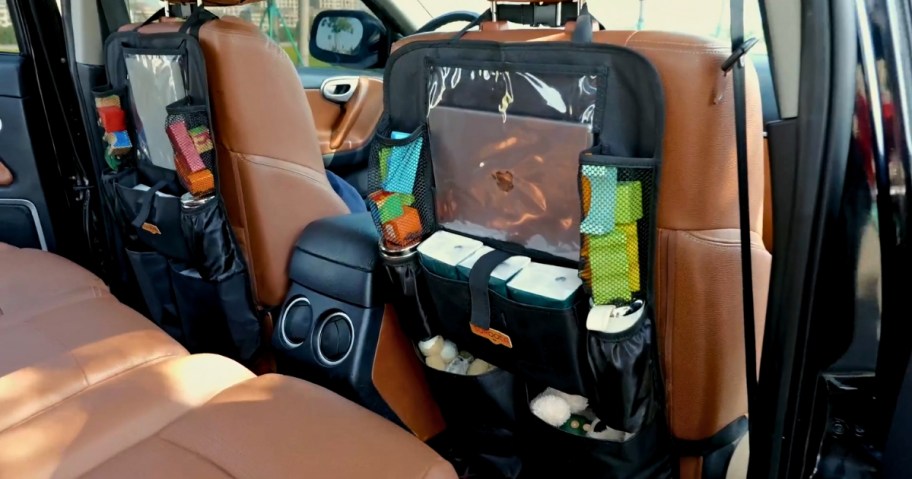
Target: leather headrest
<point>216,3</point>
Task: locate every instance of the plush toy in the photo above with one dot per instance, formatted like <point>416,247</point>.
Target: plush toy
<point>479,367</point>
<point>578,424</point>
<point>577,404</point>
<point>443,355</point>
<point>561,410</point>
<point>431,346</point>
<point>552,409</point>
<point>599,430</point>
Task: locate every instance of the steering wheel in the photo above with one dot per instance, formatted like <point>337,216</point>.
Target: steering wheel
<point>447,18</point>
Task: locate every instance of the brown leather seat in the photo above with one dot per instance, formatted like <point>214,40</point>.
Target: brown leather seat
<point>271,172</point>
<point>700,316</point>
<point>89,388</point>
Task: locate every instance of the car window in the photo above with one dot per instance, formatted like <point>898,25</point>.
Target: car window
<point>699,17</point>
<point>287,22</point>
<point>8,41</point>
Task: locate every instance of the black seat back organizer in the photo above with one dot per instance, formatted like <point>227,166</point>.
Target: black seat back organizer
<point>160,185</point>
<point>550,151</point>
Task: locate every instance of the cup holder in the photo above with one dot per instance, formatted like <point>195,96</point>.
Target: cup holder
<point>334,338</point>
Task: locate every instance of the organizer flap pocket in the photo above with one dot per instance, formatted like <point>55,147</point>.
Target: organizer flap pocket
<point>153,214</point>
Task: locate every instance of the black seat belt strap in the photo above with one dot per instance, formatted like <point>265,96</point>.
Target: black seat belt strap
<point>113,15</point>
<point>735,65</point>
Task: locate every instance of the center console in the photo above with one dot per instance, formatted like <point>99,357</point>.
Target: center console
<point>336,328</point>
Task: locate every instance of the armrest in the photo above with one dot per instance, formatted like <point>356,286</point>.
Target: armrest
<point>339,257</point>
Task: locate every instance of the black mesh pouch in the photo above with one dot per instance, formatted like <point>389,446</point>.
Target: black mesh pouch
<point>400,178</point>
<point>194,150</point>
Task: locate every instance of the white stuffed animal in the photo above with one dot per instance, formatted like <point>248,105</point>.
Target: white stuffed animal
<point>444,355</point>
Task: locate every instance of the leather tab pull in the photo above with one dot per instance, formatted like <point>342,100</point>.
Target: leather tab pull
<point>478,287</point>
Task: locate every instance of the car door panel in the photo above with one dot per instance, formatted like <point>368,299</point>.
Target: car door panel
<point>24,216</point>
<point>344,130</point>
<point>350,126</point>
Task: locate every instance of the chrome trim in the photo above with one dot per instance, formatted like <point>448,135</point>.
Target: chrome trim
<point>319,336</point>
<point>35,218</point>
<point>284,337</point>
<point>328,86</point>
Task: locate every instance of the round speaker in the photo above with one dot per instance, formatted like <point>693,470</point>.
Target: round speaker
<point>296,322</point>
<point>335,338</point>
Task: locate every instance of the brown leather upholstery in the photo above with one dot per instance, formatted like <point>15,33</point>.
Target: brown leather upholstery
<point>399,378</point>
<point>767,199</point>
<point>6,176</point>
<point>700,317</point>
<point>90,388</point>
<point>349,128</point>
<point>271,172</point>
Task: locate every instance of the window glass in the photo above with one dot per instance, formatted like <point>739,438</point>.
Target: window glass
<point>699,17</point>
<point>287,22</point>
<point>8,42</point>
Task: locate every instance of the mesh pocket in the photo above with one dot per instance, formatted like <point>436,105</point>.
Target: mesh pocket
<point>399,176</point>
<point>617,207</point>
<point>194,151</point>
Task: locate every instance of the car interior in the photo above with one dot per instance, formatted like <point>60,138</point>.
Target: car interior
<point>505,241</point>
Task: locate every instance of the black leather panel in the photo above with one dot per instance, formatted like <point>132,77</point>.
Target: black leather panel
<point>339,257</point>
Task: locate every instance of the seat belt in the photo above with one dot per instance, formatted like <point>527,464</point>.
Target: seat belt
<point>113,14</point>
<point>735,65</point>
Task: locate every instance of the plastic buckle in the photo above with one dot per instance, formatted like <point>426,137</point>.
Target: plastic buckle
<point>534,14</point>
<point>737,56</point>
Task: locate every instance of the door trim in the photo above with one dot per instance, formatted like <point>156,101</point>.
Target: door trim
<point>35,218</point>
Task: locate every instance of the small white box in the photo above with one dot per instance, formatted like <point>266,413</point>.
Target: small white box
<point>443,251</point>
<point>545,285</point>
<point>500,275</point>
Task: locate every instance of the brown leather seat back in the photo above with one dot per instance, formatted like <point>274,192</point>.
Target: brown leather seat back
<point>700,317</point>
<point>271,172</point>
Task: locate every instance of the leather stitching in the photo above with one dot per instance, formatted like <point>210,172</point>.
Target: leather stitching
<point>674,50</point>
<point>722,243</point>
<point>667,328</point>
<point>194,452</point>
<point>314,179</point>
<point>25,318</point>
<point>91,387</point>
<point>248,251</point>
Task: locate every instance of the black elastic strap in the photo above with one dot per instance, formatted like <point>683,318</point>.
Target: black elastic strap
<point>113,14</point>
<point>703,447</point>
<point>478,286</point>
<point>485,16</point>
<point>736,65</point>
<point>154,18</point>
<point>196,20</point>
<point>147,199</point>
